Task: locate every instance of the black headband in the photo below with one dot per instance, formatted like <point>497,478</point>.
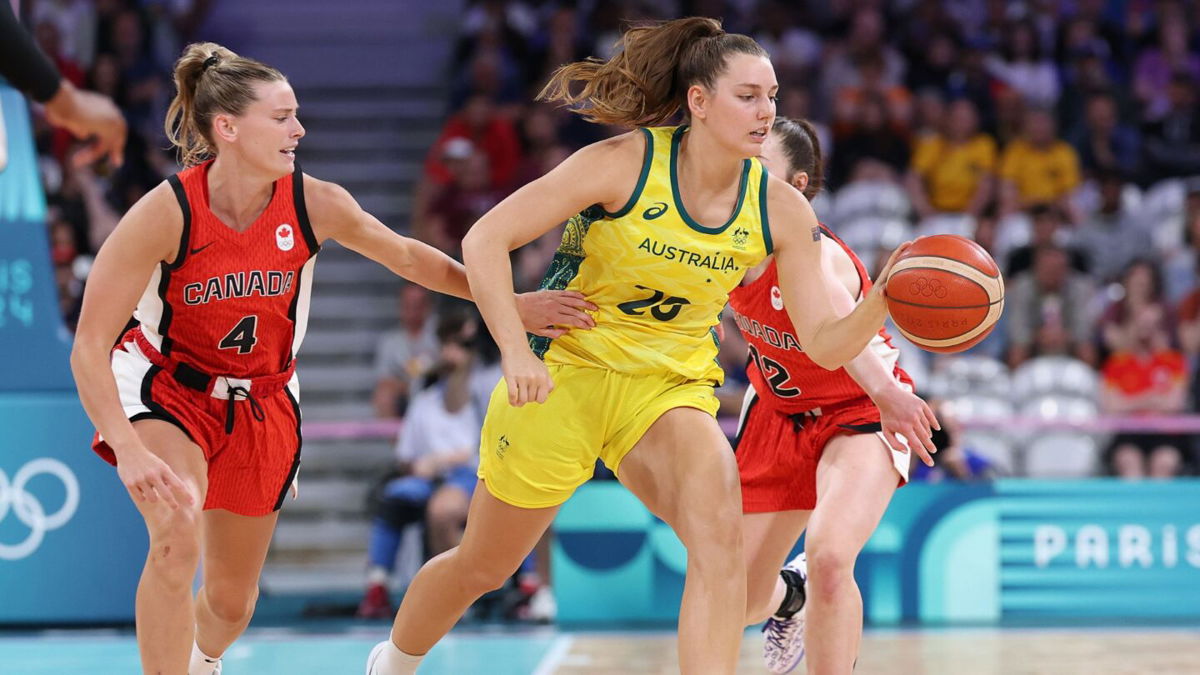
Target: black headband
<point>211,61</point>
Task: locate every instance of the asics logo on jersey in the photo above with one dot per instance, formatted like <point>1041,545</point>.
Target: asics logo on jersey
<point>655,211</point>
<point>239,285</point>
<point>29,509</point>
<point>201,248</point>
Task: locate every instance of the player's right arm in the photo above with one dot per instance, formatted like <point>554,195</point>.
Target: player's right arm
<point>602,173</point>
<point>900,410</point>
<point>832,330</point>
<point>146,236</point>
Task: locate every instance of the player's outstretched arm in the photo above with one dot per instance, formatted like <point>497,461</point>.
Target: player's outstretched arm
<point>603,173</point>
<point>337,215</point>
<point>148,235</point>
<point>830,327</point>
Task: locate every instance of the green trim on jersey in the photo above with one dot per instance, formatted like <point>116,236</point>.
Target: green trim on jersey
<point>647,160</point>
<point>762,212</point>
<point>676,137</point>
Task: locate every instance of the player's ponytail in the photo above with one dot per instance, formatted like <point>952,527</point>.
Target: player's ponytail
<point>803,151</point>
<point>209,79</point>
<point>646,82</point>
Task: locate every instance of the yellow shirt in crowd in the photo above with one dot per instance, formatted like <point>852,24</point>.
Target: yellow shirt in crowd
<point>952,173</point>
<point>1040,175</point>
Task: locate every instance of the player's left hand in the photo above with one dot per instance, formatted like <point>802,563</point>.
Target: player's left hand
<point>545,313</point>
<point>903,412</point>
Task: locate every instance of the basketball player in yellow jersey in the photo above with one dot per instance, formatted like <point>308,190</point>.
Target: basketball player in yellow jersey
<point>663,223</point>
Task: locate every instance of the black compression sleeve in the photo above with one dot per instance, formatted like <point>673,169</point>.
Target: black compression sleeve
<point>21,62</point>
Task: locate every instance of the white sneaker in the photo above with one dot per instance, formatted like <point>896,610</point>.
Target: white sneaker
<point>542,606</point>
<point>373,658</point>
<point>207,668</point>
<point>783,645</point>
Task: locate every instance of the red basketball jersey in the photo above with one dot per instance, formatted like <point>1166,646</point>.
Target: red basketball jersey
<point>780,371</point>
<point>233,303</point>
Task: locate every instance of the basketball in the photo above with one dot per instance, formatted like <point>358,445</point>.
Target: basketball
<point>945,293</point>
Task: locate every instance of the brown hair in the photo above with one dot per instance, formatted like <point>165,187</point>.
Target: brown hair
<point>803,152</point>
<point>209,79</point>
<point>647,80</point>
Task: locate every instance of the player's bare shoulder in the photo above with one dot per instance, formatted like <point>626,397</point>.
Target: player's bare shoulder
<point>153,225</point>
<point>330,207</point>
<point>790,215</point>
<point>611,166</point>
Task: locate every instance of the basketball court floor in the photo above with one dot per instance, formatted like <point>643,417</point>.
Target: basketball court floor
<point>1091,651</point>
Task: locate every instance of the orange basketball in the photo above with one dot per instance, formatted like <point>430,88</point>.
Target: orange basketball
<point>945,293</point>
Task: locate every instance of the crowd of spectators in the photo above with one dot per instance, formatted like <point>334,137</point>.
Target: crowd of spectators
<point>1061,135</point>
<point>123,49</point>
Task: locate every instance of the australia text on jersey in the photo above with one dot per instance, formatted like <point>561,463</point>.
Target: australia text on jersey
<point>721,263</point>
<point>239,285</point>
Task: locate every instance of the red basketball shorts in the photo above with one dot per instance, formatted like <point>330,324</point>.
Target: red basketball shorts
<point>249,469</point>
<point>777,454</point>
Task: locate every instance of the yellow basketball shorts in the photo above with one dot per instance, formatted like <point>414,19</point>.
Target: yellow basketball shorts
<point>536,455</point>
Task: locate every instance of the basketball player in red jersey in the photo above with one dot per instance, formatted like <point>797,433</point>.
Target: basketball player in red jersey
<point>198,407</point>
<point>815,448</point>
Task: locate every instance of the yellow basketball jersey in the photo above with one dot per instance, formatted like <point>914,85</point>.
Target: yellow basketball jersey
<point>659,278</point>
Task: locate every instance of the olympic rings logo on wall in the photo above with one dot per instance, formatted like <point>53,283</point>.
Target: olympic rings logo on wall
<point>26,507</point>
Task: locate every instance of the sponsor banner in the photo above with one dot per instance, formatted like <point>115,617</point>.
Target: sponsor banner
<point>1013,550</point>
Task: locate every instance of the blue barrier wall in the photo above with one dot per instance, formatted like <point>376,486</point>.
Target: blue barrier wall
<point>1013,550</point>
<point>71,542</point>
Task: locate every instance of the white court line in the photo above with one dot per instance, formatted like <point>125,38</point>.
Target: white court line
<point>555,656</point>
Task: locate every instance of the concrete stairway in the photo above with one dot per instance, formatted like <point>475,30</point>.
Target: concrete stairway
<point>369,75</point>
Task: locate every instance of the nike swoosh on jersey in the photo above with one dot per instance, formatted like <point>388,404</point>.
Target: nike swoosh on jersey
<point>201,248</point>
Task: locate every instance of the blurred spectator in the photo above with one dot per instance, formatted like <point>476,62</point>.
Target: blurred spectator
<point>1048,310</point>
<point>871,86</point>
<point>436,458</point>
<point>868,139</point>
<point>561,42</point>
<point>1145,377</point>
<point>952,172</point>
<point>933,63</point>
<point>1160,65</point>
<point>75,23</point>
<point>1048,230</point>
<point>865,42</point>
<point>457,206</point>
<point>972,81</point>
<point>489,132</point>
<point>1103,142</point>
<point>794,49</point>
<point>929,115</point>
<point>1024,67</point>
<point>538,128</point>
<point>1140,301</point>
<point>1038,167</point>
<point>1172,142</point>
<point>1181,268</point>
<point>954,460</point>
<point>403,356</point>
<point>1188,317</point>
<point>1113,235</point>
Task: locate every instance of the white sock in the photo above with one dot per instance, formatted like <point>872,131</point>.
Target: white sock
<point>395,662</point>
<point>201,663</point>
